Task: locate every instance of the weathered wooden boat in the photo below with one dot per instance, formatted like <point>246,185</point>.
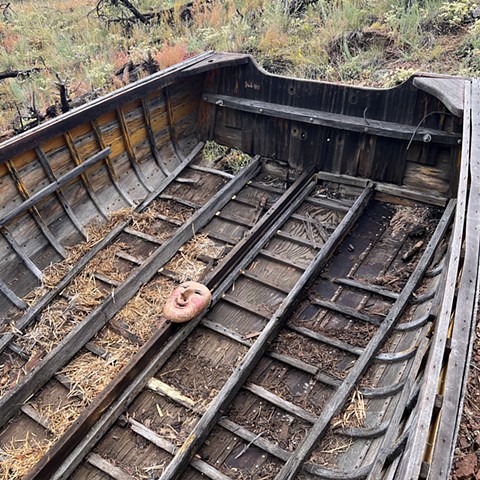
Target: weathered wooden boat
<point>343,262</point>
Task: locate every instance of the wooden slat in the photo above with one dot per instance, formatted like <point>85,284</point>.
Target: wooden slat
<point>32,209</point>
<point>280,402</point>
<point>291,468</point>
<point>240,374</point>
<point>347,311</point>
<point>383,292</point>
<point>131,152</point>
<point>335,120</point>
<point>83,176</point>
<point>203,467</point>
<point>21,253</point>
<point>60,195</point>
<point>10,294</point>
<point>108,162</point>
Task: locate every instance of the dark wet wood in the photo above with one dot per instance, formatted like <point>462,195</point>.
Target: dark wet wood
<point>313,117</point>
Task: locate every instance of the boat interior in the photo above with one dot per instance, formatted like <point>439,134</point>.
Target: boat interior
<point>330,223</point>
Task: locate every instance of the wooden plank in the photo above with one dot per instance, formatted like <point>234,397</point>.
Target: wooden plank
<point>21,253</point>
<point>199,433</point>
<point>130,150</point>
<point>10,294</point>
<point>291,468</point>
<point>60,195</point>
<point>334,120</point>
<point>83,176</point>
<point>108,162</point>
<point>412,459</point>
<point>449,90</point>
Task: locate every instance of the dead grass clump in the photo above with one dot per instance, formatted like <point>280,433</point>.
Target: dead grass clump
<point>60,417</point>
<point>54,324</point>
<point>331,446</point>
<point>406,217</point>
<point>90,374</point>
<point>20,456</point>
<point>142,312</point>
<point>186,264</point>
<point>354,415</point>
<point>10,374</point>
<point>52,274</point>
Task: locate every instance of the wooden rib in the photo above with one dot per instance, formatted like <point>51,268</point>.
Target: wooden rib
<point>108,162</point>
<point>60,195</point>
<point>10,294</point>
<point>32,200</point>
<point>23,191</point>
<point>334,120</point>
<point>406,395</point>
<point>151,137</point>
<point>173,176</point>
<point>19,251</point>
<point>291,468</point>
<point>171,124</point>
<point>104,312</point>
<point>130,150</point>
<point>241,373</point>
<point>86,182</point>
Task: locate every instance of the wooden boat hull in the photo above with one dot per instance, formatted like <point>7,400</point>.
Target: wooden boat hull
<point>337,342</point>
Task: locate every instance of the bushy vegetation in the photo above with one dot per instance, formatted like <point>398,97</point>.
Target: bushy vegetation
<point>76,47</point>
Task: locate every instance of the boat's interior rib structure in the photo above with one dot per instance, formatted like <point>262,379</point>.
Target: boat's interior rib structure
<point>342,259</point>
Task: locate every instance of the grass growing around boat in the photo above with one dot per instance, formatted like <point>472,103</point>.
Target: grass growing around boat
<point>55,51</point>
